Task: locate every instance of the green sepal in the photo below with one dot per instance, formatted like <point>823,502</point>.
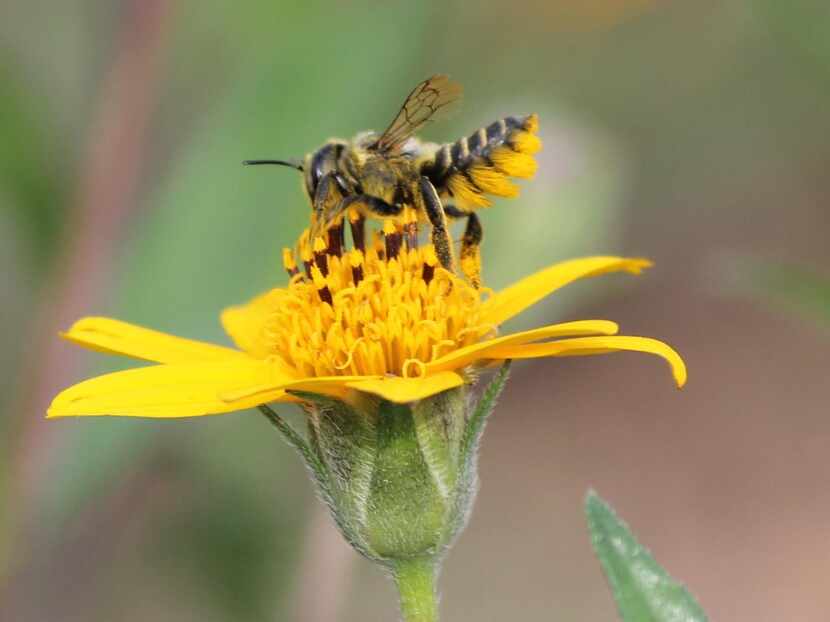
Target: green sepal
<point>342,436</point>
<point>399,479</point>
<point>482,410</point>
<point>467,485</point>
<point>406,509</point>
<point>644,591</point>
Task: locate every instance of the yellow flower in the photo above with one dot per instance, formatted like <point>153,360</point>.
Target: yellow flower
<point>382,319</point>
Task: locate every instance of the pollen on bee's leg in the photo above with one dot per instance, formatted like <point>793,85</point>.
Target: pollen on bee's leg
<point>320,257</point>
<point>320,284</point>
<point>289,262</point>
<point>513,163</point>
<point>525,142</point>
<point>393,238</point>
<point>356,262</point>
<point>357,223</point>
<point>471,251</point>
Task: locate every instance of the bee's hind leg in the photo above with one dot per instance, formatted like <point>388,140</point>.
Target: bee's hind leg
<point>470,244</point>
<point>438,219</point>
<point>471,250</point>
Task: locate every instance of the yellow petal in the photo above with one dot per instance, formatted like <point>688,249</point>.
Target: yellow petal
<point>516,298</point>
<point>326,385</point>
<point>245,324</point>
<point>468,355</point>
<point>182,390</point>
<point>115,337</point>
<point>596,345</point>
<point>403,390</point>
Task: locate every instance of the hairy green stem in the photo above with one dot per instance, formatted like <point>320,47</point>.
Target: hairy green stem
<point>416,579</point>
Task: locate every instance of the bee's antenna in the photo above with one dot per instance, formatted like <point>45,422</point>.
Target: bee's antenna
<point>290,164</point>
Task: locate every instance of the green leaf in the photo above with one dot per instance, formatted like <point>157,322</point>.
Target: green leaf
<point>643,590</point>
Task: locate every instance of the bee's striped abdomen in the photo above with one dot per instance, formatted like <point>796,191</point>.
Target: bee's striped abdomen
<point>480,164</point>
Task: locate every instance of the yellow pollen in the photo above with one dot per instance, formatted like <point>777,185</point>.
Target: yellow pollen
<point>367,315</point>
<point>288,260</point>
<point>356,258</point>
<point>320,245</point>
<point>317,276</point>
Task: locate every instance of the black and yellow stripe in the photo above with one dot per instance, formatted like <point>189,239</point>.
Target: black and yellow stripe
<point>473,167</point>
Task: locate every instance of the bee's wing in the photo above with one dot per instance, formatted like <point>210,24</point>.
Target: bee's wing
<point>428,98</point>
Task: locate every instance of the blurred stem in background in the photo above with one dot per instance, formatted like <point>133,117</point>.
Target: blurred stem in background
<point>106,197</point>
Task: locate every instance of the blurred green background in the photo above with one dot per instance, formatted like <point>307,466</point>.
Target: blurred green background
<point>693,133</point>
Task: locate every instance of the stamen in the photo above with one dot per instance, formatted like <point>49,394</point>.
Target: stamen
<point>356,262</point>
<point>321,285</point>
<point>320,258</point>
<point>336,234</point>
<point>305,252</point>
<point>422,368</point>
<point>306,257</point>
<point>379,245</point>
<point>350,356</point>
<point>436,348</point>
<point>393,239</point>
<point>479,330</point>
<point>289,262</point>
<point>411,230</point>
<point>384,309</point>
<point>430,261</point>
<point>357,223</point>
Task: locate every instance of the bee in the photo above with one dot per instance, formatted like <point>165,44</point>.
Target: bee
<point>381,175</point>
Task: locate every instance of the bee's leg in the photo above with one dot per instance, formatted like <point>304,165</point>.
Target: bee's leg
<point>438,219</point>
<point>327,198</point>
<point>470,244</point>
<point>373,205</point>
<point>453,212</point>
<point>364,205</point>
<point>471,250</point>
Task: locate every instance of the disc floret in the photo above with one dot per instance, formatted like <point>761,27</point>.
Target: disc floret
<point>383,308</point>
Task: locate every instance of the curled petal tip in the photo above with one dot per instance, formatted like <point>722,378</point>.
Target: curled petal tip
<point>638,264</point>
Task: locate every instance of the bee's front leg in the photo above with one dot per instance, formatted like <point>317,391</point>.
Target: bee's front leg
<point>327,197</point>
<point>365,205</point>
<point>371,205</point>
<point>438,219</point>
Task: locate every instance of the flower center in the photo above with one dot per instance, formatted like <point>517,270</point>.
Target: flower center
<point>386,307</point>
